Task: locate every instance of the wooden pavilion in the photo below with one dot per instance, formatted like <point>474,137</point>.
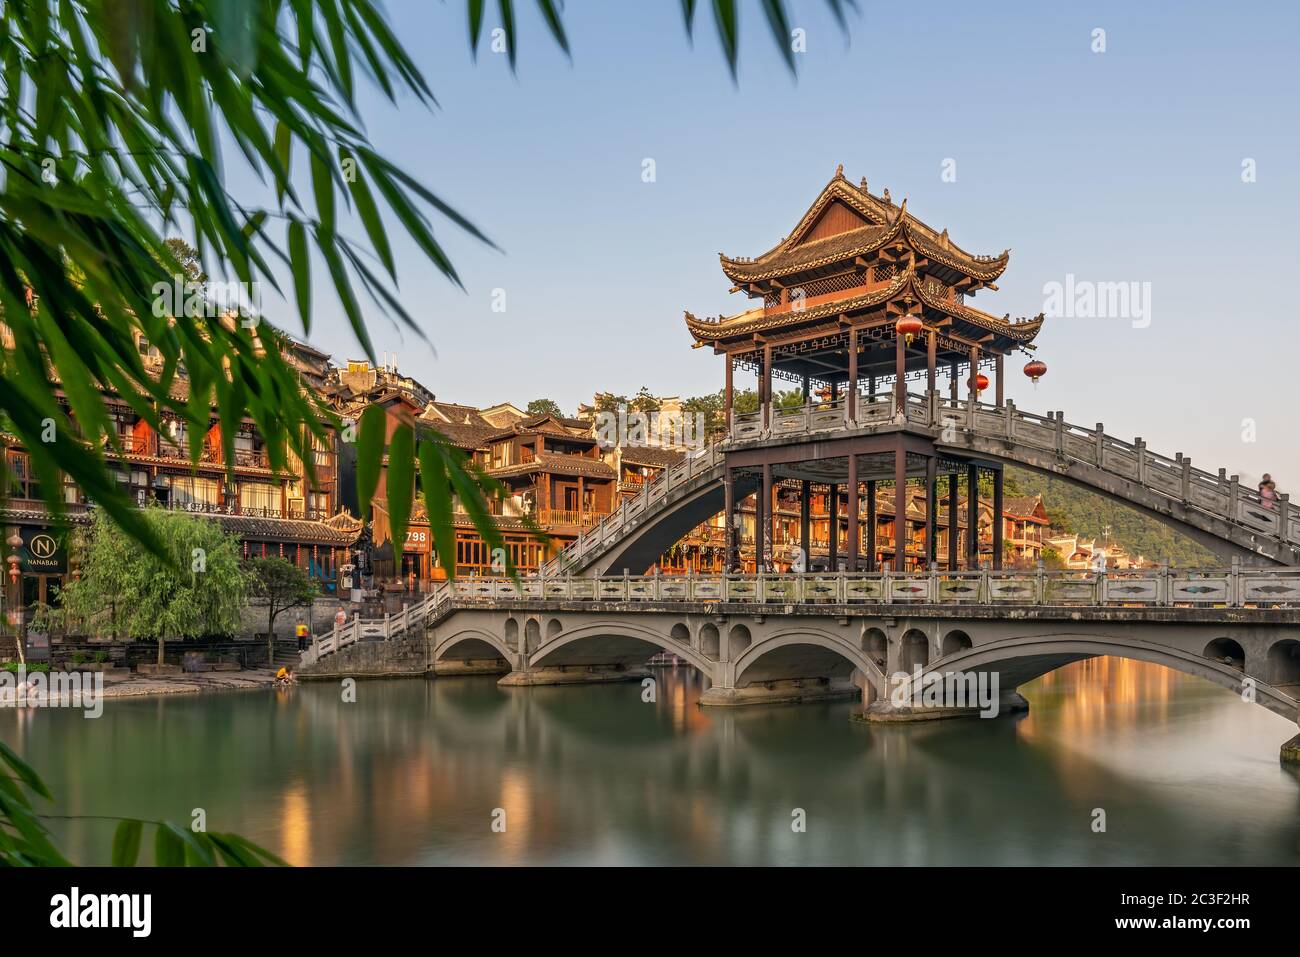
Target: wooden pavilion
<point>857,299</point>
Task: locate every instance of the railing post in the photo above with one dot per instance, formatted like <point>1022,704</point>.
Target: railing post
<point>886,592</point>
<point>1100,438</point>
<point>1009,419</point>
<point>1284,518</point>
<point>1164,592</point>
<point>1141,448</point>
<point>1234,496</point>
<point>1185,481</point>
<point>1058,426</point>
<point>1040,583</point>
<point>1234,583</point>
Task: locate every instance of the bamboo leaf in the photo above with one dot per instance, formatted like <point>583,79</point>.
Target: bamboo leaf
<point>126,843</point>
<point>401,483</point>
<point>370,454</point>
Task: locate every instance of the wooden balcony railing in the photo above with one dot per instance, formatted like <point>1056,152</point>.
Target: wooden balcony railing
<point>582,518</point>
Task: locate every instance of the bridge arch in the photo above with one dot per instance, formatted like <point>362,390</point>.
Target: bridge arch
<point>512,634</point>
<point>738,640</point>
<point>834,657</point>
<point>475,641</point>
<point>875,643</point>
<point>955,641</point>
<point>1022,659</point>
<point>710,644</point>
<point>627,642</point>
<point>1228,651</point>
<point>1283,660</point>
<point>915,650</point>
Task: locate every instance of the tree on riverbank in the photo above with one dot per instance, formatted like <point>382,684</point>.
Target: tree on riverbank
<point>196,587</point>
<point>283,585</point>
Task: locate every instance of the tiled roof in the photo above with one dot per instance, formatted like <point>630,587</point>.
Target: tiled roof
<point>560,465</point>
<point>651,455</point>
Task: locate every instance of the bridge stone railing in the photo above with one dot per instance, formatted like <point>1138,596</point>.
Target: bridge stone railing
<point>1215,495</point>
<point>664,488</point>
<point>390,626</point>
<point>1234,587</point>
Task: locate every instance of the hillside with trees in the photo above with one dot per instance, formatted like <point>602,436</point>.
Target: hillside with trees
<point>1076,510</point>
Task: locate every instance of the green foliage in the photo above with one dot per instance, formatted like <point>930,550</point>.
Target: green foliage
<point>196,587</point>
<point>25,841</point>
<point>544,407</point>
<point>112,113</point>
<point>29,667</point>
<point>1075,510</point>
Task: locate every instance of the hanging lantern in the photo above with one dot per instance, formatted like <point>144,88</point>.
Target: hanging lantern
<point>1036,370</point>
<point>979,381</point>
<point>908,327</point>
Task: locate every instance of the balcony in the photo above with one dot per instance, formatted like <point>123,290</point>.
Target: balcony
<point>580,518</point>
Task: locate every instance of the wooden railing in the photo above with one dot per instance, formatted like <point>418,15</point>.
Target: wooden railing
<point>585,518</point>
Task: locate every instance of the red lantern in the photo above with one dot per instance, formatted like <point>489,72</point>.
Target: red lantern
<point>980,381</point>
<point>908,327</point>
<point>1036,369</point>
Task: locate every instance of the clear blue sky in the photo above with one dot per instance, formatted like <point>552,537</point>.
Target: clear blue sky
<point>1119,166</point>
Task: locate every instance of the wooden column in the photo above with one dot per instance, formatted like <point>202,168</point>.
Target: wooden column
<point>952,383</point>
<point>763,532</point>
<point>972,517</point>
<point>974,371</point>
<point>728,392</point>
<point>871,526</point>
<point>851,542</point>
<point>954,529</point>
<point>931,352</point>
<point>767,385</point>
<point>731,537</point>
<point>833,508</point>
<point>900,373</point>
<point>807,388</point>
<point>853,387</point>
<point>997,381</point>
<point>931,511</point>
<point>997,519</point>
<point>805,521</point>
<point>900,506</point>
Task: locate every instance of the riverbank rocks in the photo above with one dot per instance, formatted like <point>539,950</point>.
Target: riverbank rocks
<point>1291,751</point>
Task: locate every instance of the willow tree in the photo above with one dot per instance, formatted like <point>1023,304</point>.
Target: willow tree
<point>194,588</point>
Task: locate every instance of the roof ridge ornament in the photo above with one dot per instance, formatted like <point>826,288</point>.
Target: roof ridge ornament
<point>839,171</point>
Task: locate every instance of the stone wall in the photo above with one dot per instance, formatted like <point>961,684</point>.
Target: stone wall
<point>319,617</point>
<point>392,658</point>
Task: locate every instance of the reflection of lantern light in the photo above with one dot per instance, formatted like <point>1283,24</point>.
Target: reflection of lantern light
<point>980,381</point>
<point>909,326</point>
<point>1036,369</point>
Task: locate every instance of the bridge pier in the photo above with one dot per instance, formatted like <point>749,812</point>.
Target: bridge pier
<point>572,675</point>
<point>782,691</point>
<point>883,710</point>
<point>1291,751</point>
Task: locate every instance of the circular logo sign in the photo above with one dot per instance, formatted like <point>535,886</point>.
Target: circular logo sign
<point>43,546</point>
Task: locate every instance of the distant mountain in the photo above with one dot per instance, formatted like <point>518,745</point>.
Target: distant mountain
<point>1074,510</point>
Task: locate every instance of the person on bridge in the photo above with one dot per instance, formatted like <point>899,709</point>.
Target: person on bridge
<point>1267,491</point>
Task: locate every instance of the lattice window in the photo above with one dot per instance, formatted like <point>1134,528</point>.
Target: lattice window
<point>884,272</point>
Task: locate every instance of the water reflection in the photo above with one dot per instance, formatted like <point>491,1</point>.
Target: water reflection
<point>417,772</point>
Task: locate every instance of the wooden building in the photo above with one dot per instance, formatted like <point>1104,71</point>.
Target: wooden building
<point>860,297</point>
